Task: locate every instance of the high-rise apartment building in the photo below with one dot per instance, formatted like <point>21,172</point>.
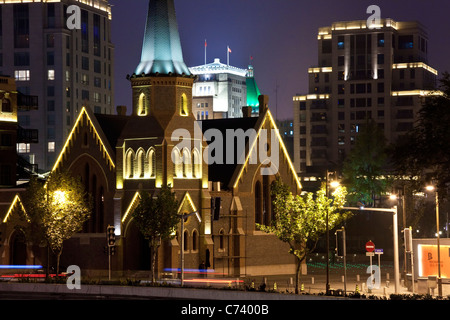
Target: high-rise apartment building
<point>64,68</point>
<point>380,73</point>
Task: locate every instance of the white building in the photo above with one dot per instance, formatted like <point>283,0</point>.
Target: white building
<point>220,91</point>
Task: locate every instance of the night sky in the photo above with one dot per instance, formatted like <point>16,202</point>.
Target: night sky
<point>281,35</point>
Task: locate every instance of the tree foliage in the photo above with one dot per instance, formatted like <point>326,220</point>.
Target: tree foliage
<point>56,210</point>
<point>424,152</point>
<point>157,218</point>
<point>365,167</point>
<point>301,219</point>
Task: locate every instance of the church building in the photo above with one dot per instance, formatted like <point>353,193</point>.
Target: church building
<point>119,156</point>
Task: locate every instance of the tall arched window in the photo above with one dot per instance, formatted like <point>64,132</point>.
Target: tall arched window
<point>186,240</point>
<point>142,105</point>
<point>152,163</point>
<point>258,203</point>
<point>187,171</point>
<point>177,163</point>
<point>184,109</point>
<point>221,240</point>
<point>196,164</point>
<point>129,164</point>
<point>140,163</point>
<point>266,201</point>
<point>194,240</point>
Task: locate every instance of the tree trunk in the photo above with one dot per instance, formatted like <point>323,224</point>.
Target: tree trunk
<point>297,275</point>
<point>154,253</point>
<point>58,256</point>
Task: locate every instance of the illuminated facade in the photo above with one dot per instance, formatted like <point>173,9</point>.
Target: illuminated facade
<point>65,69</point>
<point>221,91</point>
<point>380,73</point>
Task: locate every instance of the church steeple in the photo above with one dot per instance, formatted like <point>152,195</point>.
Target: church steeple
<point>161,49</point>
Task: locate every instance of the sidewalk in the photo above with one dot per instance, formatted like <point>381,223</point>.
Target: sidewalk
<point>314,282</point>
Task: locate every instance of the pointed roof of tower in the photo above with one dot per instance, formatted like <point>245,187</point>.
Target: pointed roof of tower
<point>252,90</point>
<point>161,49</point>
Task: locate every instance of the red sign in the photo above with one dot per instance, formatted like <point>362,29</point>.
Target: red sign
<point>370,246</point>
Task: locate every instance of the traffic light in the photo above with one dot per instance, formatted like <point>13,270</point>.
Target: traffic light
<point>112,250</point>
<point>111,236</point>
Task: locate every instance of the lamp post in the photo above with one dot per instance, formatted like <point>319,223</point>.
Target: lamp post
<point>431,188</point>
<point>182,217</point>
<point>333,184</point>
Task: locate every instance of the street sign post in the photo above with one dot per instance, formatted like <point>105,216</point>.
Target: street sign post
<point>370,248</point>
<point>379,252</point>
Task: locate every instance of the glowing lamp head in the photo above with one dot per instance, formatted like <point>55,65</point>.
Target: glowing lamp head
<point>334,184</point>
<point>429,188</point>
<point>59,197</point>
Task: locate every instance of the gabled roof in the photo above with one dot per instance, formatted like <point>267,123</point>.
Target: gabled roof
<point>230,174</point>
<point>87,117</point>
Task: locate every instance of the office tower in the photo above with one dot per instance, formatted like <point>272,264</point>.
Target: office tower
<point>64,68</point>
<point>380,73</point>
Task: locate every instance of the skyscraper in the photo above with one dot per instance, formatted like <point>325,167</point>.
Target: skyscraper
<point>380,73</point>
<point>65,68</point>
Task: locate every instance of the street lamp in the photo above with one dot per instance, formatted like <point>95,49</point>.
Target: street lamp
<point>333,184</point>
<point>182,217</point>
<point>431,188</point>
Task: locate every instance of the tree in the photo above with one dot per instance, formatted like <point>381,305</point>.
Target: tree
<point>56,210</point>
<point>424,152</point>
<point>300,220</point>
<point>157,219</point>
<point>365,167</point>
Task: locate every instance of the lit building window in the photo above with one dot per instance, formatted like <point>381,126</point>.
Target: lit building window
<point>184,106</point>
<point>23,148</point>
<point>51,75</point>
<point>51,146</point>
<point>22,75</point>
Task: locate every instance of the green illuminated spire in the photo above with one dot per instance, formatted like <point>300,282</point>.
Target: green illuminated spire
<point>252,91</point>
<point>161,49</point>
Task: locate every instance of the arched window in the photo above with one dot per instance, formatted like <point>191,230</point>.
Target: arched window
<point>266,200</point>
<point>186,240</point>
<point>258,203</point>
<point>142,105</point>
<point>140,163</point>
<point>129,164</point>
<point>194,240</point>
<point>177,163</point>
<point>197,164</point>
<point>184,110</point>
<point>152,163</point>
<point>221,240</point>
<point>187,171</point>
